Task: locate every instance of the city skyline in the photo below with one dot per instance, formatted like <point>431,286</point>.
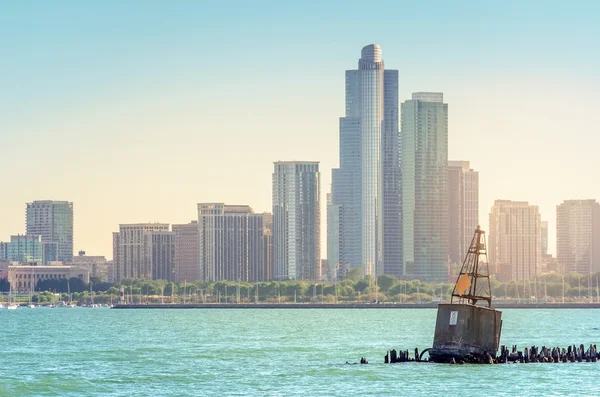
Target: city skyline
<point>129,121</point>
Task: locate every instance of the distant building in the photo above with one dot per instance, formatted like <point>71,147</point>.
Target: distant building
<point>463,200</point>
<point>53,220</point>
<point>296,220</point>
<point>544,228</point>
<point>365,226</point>
<point>578,236</point>
<point>187,252</point>
<point>323,270</point>
<point>25,278</point>
<point>111,272</point>
<point>424,136</point>
<point>161,254</point>
<point>116,272</point>
<point>26,249</point>
<point>4,251</point>
<point>514,242</point>
<point>231,243</point>
<point>268,244</point>
<point>145,251</point>
<point>335,243</point>
<point>4,269</point>
<point>97,266</point>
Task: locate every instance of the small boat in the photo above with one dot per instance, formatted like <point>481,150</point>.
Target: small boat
<point>12,306</point>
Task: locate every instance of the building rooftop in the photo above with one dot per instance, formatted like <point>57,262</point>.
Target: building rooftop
<point>428,96</point>
<point>371,52</point>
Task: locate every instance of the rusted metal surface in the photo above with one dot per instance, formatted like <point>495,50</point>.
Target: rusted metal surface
<point>473,281</point>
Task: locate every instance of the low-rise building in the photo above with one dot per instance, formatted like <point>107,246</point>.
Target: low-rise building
<point>96,265</point>
<point>24,278</point>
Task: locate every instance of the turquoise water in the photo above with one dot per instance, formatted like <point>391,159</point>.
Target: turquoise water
<point>278,352</point>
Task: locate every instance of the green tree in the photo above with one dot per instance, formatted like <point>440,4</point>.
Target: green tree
<point>356,273</point>
<point>385,282</point>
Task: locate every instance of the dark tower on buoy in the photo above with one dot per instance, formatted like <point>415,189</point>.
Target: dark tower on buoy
<point>464,328</point>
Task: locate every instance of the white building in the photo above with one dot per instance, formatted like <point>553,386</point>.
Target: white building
<point>514,244</point>
<point>296,220</point>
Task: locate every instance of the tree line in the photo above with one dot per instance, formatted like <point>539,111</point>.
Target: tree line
<point>354,288</point>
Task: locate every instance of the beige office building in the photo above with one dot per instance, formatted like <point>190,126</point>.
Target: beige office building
<point>187,252</point>
<point>578,236</point>
<point>144,251</point>
<point>514,240</point>
<point>231,243</point>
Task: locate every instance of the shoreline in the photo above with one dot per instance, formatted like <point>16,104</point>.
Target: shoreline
<point>347,306</point>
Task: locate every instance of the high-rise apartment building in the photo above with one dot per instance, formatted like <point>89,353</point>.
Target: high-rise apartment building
<point>296,220</point>
<point>53,220</point>
<point>335,244</point>
<point>231,243</point>
<point>578,236</point>
<point>268,244</point>
<point>187,252</point>
<point>161,254</point>
<point>424,162</point>
<point>463,202</point>
<point>144,251</point>
<point>115,271</point>
<point>26,249</point>
<point>514,243</point>
<point>544,227</point>
<point>4,251</point>
<point>365,191</point>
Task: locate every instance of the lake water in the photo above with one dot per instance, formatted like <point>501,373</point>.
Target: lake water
<point>278,352</point>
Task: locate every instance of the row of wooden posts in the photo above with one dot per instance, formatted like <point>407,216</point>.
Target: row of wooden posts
<point>532,354</point>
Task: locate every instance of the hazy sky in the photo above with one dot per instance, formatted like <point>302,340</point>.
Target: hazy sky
<point>138,110</point>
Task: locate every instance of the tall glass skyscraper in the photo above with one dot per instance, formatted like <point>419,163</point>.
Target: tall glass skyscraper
<point>365,189</point>
<point>296,221</point>
<point>53,220</point>
<point>424,135</point>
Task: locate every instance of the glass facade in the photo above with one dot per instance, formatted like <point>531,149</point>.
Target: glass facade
<point>365,189</point>
<point>4,250</point>
<point>424,136</point>
<point>26,249</point>
<point>53,220</point>
<point>296,220</point>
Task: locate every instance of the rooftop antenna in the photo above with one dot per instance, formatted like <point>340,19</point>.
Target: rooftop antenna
<point>473,282</point>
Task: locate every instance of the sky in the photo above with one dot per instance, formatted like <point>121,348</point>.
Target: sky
<point>138,110</point>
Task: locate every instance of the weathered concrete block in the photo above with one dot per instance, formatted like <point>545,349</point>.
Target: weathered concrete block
<point>464,331</point>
